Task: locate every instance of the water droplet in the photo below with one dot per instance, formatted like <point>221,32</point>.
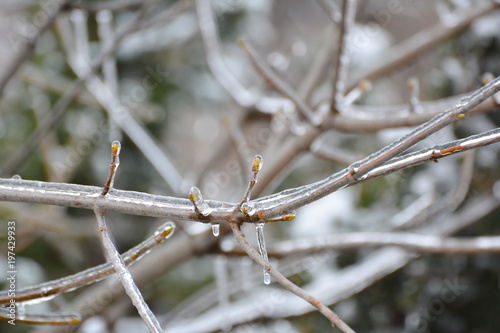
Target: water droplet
<point>267,278</point>
<point>199,203</point>
<point>248,208</point>
<point>16,177</point>
<point>215,229</point>
<point>257,163</point>
<point>315,119</point>
<point>259,228</point>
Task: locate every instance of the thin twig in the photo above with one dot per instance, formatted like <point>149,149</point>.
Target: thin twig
<point>280,85</point>
<point>119,265</point>
<point>41,319</point>
<point>256,166</point>
<point>252,253</point>
<point>414,86</point>
<point>448,204</point>
<point>91,275</point>
<point>411,241</point>
<point>226,79</point>
<point>435,153</point>
<point>341,64</point>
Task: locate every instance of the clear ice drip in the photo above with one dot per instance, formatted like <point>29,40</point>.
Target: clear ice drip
<point>198,201</point>
<point>215,229</point>
<point>262,247</point>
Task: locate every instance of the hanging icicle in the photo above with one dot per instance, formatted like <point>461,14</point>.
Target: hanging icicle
<point>259,228</point>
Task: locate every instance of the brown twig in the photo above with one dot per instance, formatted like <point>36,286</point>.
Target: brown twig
<point>287,284</point>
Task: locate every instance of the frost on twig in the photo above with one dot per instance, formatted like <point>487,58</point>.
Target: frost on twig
<point>112,254</point>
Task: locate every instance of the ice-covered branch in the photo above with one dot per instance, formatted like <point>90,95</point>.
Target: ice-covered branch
<point>411,241</point>
<point>435,153</point>
<point>271,206</point>
<point>42,319</point>
<point>252,253</point>
<point>91,275</point>
<point>208,31</point>
<point>112,253</point>
<point>280,85</point>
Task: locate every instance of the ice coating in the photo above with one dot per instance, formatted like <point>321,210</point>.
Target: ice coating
<point>199,203</point>
<point>215,229</point>
<point>259,228</point>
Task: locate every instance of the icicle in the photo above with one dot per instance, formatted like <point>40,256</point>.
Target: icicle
<point>259,228</point>
<point>215,229</point>
<point>199,203</point>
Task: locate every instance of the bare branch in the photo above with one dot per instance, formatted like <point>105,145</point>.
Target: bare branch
<point>410,241</point>
<point>341,64</point>
<point>268,207</point>
<point>112,254</point>
<point>227,80</point>
<point>91,275</point>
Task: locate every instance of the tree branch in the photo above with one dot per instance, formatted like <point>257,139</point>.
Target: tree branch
<point>252,253</point>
